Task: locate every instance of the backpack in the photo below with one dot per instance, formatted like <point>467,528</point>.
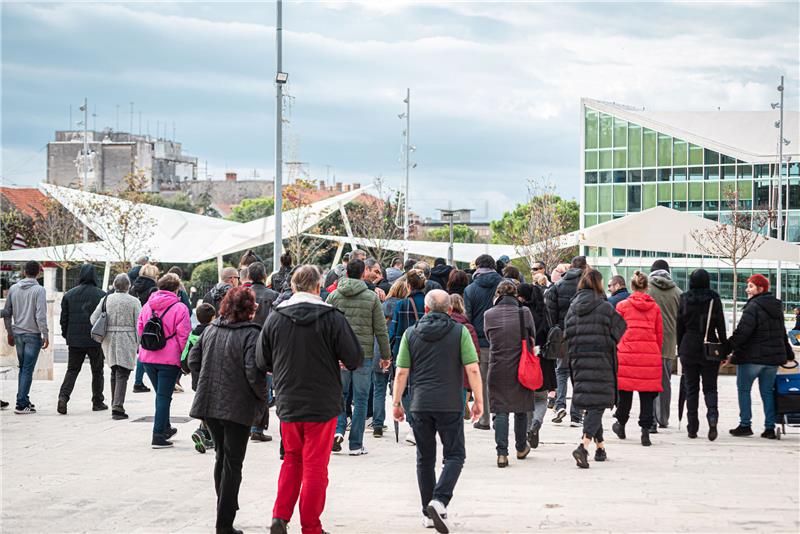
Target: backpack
<point>152,337</point>
<point>553,346</point>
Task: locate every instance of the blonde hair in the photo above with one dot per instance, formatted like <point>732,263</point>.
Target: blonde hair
<point>457,303</point>
<point>399,289</point>
<point>149,271</point>
<point>639,281</point>
<point>539,279</point>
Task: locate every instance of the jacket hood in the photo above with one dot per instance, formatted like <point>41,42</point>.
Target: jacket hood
<point>441,270</point>
<point>433,326</point>
<point>219,290</point>
<point>87,275</point>
<point>572,274</point>
<point>160,300</point>
<point>349,287</point>
<point>769,304</point>
<point>27,283</point>
<point>488,280</point>
<point>641,301</point>
<point>585,301</point>
<point>699,296</point>
<point>304,308</point>
<point>699,279</point>
<point>459,318</point>
<point>223,323</point>
<point>507,300</point>
<point>661,279</point>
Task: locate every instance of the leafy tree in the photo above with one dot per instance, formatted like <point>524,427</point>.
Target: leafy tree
<point>251,209</point>
<point>12,223</point>
<point>461,234</point>
<point>204,275</point>
<point>180,202</point>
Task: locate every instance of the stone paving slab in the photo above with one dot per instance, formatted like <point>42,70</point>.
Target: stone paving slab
<point>86,473</point>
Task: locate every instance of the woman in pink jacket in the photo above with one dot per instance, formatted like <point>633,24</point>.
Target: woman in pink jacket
<point>164,366</point>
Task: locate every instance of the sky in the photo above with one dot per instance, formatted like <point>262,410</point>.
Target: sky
<point>495,87</point>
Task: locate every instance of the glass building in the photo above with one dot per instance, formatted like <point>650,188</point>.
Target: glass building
<point>632,160</point>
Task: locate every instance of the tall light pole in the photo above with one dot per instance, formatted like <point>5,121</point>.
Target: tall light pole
<point>85,109</point>
<point>408,169</point>
<point>448,213</point>
<point>280,79</point>
<point>780,184</point>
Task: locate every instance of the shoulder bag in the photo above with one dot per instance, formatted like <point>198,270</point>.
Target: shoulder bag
<point>712,351</point>
<point>529,372</point>
<point>100,327</point>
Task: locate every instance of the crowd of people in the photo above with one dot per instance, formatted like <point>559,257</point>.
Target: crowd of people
<point>447,344</point>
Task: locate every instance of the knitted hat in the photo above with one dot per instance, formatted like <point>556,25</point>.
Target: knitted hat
<point>759,280</point>
<point>659,265</point>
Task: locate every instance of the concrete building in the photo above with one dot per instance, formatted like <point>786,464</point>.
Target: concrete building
<point>632,160</point>
<point>114,155</point>
<point>461,217</point>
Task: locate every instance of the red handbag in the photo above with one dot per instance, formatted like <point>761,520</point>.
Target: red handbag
<point>529,372</point>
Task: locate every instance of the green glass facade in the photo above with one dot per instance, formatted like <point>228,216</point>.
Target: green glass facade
<point>630,168</point>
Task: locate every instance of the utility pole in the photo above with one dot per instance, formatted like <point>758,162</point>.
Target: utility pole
<point>140,122</point>
<point>71,126</point>
<point>280,79</point>
<point>117,127</point>
<point>408,168</point>
<point>94,118</point>
<point>780,187</point>
<point>131,130</point>
<point>85,109</point>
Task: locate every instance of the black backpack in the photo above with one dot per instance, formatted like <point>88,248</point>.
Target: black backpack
<point>153,332</point>
<point>553,347</point>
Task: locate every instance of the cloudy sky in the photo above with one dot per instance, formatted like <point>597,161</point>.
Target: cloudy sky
<point>495,87</point>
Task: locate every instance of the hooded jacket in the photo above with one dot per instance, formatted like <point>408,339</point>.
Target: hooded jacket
<point>265,297</point>
<point>440,274</point>
<point>177,327</point>
<point>592,331</point>
<point>559,295</point>
<point>230,386</point>
<point>618,296</point>
<point>26,304</point>
<point>362,309</point>
<point>142,288</point>
<point>77,306</point>
<point>120,342</point>
<point>693,316</point>
<point>478,298</point>
<point>667,295</point>
<point>216,294</point>
<point>403,317</point>
<point>639,350</point>
<point>301,344</point>
<point>760,337</point>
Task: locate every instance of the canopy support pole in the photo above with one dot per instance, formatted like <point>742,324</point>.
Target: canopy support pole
<point>614,271</point>
<point>338,256</point>
<point>219,268</point>
<point>347,228</point>
<point>106,276</point>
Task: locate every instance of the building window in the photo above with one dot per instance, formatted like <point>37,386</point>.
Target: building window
<point>619,177</point>
<point>590,199</point>
<point>590,161</point>
<point>590,178</point>
<point>728,172</point>
<point>649,175</point>
<point>725,194</point>
<point>664,195</point>
<point>606,126</point>
<point>744,171</point>
<point>589,220</point>
<point>664,175</point>
<point>620,133</point>
<point>664,150</point>
<point>711,192</point>
<point>620,161</point>
<point>679,196</point>
<point>711,173</point>
<point>648,196</point>
<point>761,171</point>
<point>726,160</point>
<point>679,174</point>
<point>605,159</point>
<point>680,152</point>
<point>591,128</point>
<point>634,145</point>
<point>695,173</point>
<point>620,198</point>
<point>695,197</point>
<point>634,198</point>
<point>761,195</point>
<point>605,198</point>
<point>649,142</point>
<point>793,227</point>
<point>635,176</point>
<point>710,157</point>
<point>794,194</point>
<point>695,155</point>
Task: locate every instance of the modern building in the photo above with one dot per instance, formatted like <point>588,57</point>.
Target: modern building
<point>113,156</point>
<point>461,217</point>
<point>633,159</point>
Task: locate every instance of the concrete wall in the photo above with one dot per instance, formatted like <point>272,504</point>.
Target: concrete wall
<point>229,192</point>
<point>117,162</point>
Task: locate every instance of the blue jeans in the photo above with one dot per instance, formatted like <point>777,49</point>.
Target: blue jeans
<point>450,427</point>
<point>746,374</point>
<point>28,347</point>
<point>501,432</point>
<point>793,337</point>
<point>562,377</point>
<point>138,378</point>
<point>360,379</point>
<point>379,382</point>
<point>163,378</point>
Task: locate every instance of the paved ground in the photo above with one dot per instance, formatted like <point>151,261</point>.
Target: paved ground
<point>86,473</point>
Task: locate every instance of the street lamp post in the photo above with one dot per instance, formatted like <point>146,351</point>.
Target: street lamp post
<point>408,169</point>
<point>780,184</point>
<point>85,109</point>
<point>449,214</point>
<point>280,79</point>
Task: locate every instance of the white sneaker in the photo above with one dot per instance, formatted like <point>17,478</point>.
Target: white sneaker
<point>358,452</point>
<point>410,439</point>
<point>427,522</point>
<point>438,512</point>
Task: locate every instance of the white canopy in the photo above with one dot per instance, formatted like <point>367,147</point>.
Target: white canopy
<point>663,229</point>
<point>463,252</point>
<point>95,251</point>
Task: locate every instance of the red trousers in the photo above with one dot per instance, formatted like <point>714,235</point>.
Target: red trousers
<point>304,473</point>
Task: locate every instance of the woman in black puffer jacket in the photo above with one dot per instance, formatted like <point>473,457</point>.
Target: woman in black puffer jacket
<point>230,390</point>
<point>592,330</point>
<point>691,324</point>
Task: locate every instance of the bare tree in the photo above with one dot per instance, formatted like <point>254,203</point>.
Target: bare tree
<point>303,248</point>
<point>56,227</point>
<point>734,241</point>
<point>373,218</point>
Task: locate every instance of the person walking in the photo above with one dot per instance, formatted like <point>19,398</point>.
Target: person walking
<point>478,298</point>
<point>143,286</point>
<point>362,309</point>
<point>506,324</point>
<point>77,306</point>
<point>230,390</point>
<point>759,345</point>
<point>558,298</point>
<point>303,343</point>
<point>435,353</point>
<point>695,327</point>
<point>457,314</point>
<point>120,341</point>
<point>618,290</point>
<point>163,366</point>
<point>281,278</point>
<point>639,357</point>
<point>265,297</point>
<point>25,319</point>
<point>230,278</point>
<point>592,331</point>
<point>794,333</point>
<point>667,295</point>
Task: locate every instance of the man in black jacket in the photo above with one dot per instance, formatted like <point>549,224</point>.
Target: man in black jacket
<point>257,273</point>
<point>302,344</point>
<point>77,306</point>
<point>557,299</point>
<point>440,272</point>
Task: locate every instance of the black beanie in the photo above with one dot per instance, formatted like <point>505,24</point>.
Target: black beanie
<point>659,265</point>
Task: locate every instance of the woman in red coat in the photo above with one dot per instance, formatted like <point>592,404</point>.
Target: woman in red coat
<point>639,355</point>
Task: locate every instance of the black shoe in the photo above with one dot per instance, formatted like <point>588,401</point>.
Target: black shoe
<point>160,442</point>
<point>653,429</point>
<point>99,407</point>
<point>259,436</point>
<point>171,431</point>
<point>646,437</point>
<point>118,416</point>
<point>337,443</point>
<point>712,432</point>
<point>140,388</point>
<point>741,431</point>
<point>692,434</point>
<point>3,405</point>
<point>480,426</point>
<point>62,407</point>
<point>769,434</point>
<point>377,432</point>
<point>533,436</point>
<point>618,429</point>
<point>551,402</point>
<point>600,455</point>
<point>229,531</point>
<point>278,526</point>
<point>581,457</point>
<point>560,415</point>
<point>502,461</point>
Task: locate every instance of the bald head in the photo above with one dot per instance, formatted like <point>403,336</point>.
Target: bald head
<point>230,275</point>
<point>437,301</point>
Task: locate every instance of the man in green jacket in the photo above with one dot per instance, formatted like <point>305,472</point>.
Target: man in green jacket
<point>667,295</point>
<point>362,309</point>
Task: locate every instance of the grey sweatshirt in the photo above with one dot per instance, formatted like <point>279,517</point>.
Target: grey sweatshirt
<point>26,303</point>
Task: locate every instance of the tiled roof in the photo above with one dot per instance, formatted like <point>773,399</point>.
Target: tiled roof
<point>27,200</point>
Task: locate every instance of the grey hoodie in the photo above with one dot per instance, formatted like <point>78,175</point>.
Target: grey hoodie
<point>667,295</point>
<point>27,305</point>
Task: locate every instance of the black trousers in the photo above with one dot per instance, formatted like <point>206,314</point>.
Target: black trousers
<point>593,424</point>
<point>76,357</point>
<point>450,427</point>
<point>230,440</point>
<point>261,418</point>
<point>693,373</point>
<point>119,385</point>
<point>646,407</point>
